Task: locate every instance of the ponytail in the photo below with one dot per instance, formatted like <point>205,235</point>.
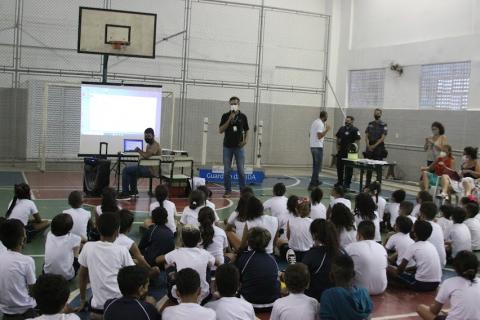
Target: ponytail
<point>20,191</point>
<point>196,199</point>
<point>161,194</point>
<point>10,209</point>
<point>470,274</point>
<point>206,218</point>
<point>466,265</point>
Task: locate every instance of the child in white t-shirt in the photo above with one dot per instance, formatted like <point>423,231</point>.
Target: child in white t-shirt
<point>459,237</point>
<point>405,209</point>
<point>399,242</point>
<point>24,209</point>
<point>277,205</point>
<point>462,291</point>
<point>365,211</point>
<point>100,262</point>
<point>445,221</point>
<point>393,207</point>
<point>17,272</point>
<point>109,203</point>
<point>61,248</point>
<point>296,305</point>
<point>344,221</point>
<point>374,189</point>
<point>473,224</point>
<point>207,196</point>
<point>422,196</point>
<point>51,292</point>
<point>214,239</point>
<point>161,195</point>
<point>190,256</point>
<point>338,196</point>
<point>370,259</point>
<point>81,217</point>
<point>428,212</point>
<point>228,306</point>
<point>318,209</point>
<point>237,221</point>
<point>428,272</point>
<point>196,201</point>
<point>298,228</point>
<point>188,289</point>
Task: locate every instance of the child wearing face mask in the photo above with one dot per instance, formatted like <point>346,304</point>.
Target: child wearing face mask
<point>442,165</point>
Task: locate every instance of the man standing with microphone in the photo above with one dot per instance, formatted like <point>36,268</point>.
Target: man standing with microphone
<point>235,126</point>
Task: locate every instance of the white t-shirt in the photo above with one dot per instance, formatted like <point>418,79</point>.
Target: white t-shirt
<point>124,241</point>
<point>217,247</point>
<point>232,308</point>
<point>187,311</point>
<point>474,227</point>
<point>437,240</point>
<point>195,258</point>
<point>80,219</point>
<point>171,211</point>
<point>394,210</point>
<point>371,261</point>
<point>59,254</point>
<point>276,205</point>
<point>239,225</point>
<point>427,261</point>
<point>58,316</point>
<point>99,210</point>
<point>463,296</point>
<point>400,242</point>
<point>381,205</point>
<point>190,216</point>
<point>317,126</point>
<point>412,218</point>
<point>460,237</point>
<point>104,260</point>
<point>23,210</point>
<point>17,272</point>
<point>416,210</point>
<point>267,222</point>
<point>295,306</point>
<point>3,249</point>
<point>375,221</point>
<point>445,224</point>
<point>210,204</point>
<point>300,236</point>
<point>318,211</point>
<point>346,202</point>
<point>347,237</point>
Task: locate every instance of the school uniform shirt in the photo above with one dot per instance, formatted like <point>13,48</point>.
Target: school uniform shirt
<point>445,224</point>
<point>460,237</point>
<point>295,306</point>
<point>195,258</point>
<point>3,249</point>
<point>187,311</point>
<point>267,222</point>
<point>99,211</point>
<point>239,225</point>
<point>474,227</point>
<point>219,244</point>
<point>463,296</point>
<point>158,240</point>
<point>276,205</point>
<point>371,261</point>
<point>412,218</point>
<point>317,127</point>
<point>126,308</point>
<point>344,201</point>
<point>171,211</point>
<point>347,237</point>
<point>375,221</point>
<point>103,260</point>
<point>17,272</point>
<point>300,236</point>
<point>437,240</point>
<point>190,216</point>
<point>319,263</point>
<point>210,204</point>
<point>381,205</point>
<point>400,242</point>
<point>232,308</point>
<point>124,241</point>
<point>318,211</point>
<point>394,210</point>
<point>426,260</point>
<point>23,210</point>
<point>58,316</point>
<point>80,219</point>
<point>59,254</point>
<point>416,210</point>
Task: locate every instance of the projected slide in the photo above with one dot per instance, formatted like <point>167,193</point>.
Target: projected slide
<point>112,113</point>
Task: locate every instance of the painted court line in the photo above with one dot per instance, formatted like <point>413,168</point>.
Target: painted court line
<point>397,316</point>
<point>24,176</point>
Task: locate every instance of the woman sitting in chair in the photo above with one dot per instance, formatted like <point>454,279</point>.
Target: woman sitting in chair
<point>462,182</point>
<point>442,165</point>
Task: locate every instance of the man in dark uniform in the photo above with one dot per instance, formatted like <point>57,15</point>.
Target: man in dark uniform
<point>374,137</point>
<point>346,135</point>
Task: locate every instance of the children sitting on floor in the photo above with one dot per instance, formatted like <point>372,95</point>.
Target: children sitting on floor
<point>459,237</point>
<point>3,249</point>
<point>370,260</point>
<point>99,265</point>
<point>62,248</point>
<point>228,306</point>
<point>399,242</point>
<point>345,301</point>
<point>473,224</point>
<point>17,273</point>
<point>158,239</point>
<point>365,210</point>
<point>393,208</point>
<point>207,196</point>
<point>133,282</point>
<point>25,210</point>
<point>214,239</point>
<point>338,196</point>
<point>296,304</point>
<point>318,209</point>
<point>428,212</point>
<point>444,221</point>
<point>277,205</point>
<point>422,196</point>
<point>51,292</point>
<point>298,230</point>
<point>375,189</point>
<point>428,273</point>
<point>161,195</point>
<point>81,217</point>
<point>343,220</point>
<point>462,291</point>
<point>109,203</point>
<point>189,291</point>
<point>405,209</point>
<point>237,221</point>
<point>196,201</point>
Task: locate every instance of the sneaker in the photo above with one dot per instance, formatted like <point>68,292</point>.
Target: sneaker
<point>124,196</point>
<point>227,195</point>
<point>291,257</point>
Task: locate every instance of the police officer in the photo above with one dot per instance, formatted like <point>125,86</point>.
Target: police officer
<point>374,137</point>
<point>346,135</point>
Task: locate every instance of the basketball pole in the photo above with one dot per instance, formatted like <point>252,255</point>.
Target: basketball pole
<point>105,68</point>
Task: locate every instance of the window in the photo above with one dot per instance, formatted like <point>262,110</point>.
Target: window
<point>445,86</point>
<point>366,88</point>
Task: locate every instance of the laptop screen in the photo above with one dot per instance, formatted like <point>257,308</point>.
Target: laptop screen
<point>129,145</point>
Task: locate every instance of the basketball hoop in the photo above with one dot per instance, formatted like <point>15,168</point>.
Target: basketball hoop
<point>118,45</point>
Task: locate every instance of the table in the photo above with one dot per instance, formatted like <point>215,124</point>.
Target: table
<point>365,165</point>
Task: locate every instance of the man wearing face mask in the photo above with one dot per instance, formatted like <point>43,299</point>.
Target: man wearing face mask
<point>130,174</point>
<point>318,131</point>
<point>374,137</point>
<point>235,126</point>
<point>346,135</point>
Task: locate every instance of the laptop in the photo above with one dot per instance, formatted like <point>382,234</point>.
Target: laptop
<point>129,145</point>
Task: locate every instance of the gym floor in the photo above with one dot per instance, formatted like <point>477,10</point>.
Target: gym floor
<point>51,189</point>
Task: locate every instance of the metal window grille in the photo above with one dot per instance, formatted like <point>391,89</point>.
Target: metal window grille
<point>366,88</point>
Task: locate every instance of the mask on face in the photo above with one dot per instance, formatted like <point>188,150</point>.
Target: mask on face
<point>435,132</point>
<point>347,124</point>
<point>443,154</point>
<point>377,116</point>
<point>234,107</point>
<point>148,140</point>
<point>465,158</point>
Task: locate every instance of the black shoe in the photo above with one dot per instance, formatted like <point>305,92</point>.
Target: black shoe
<point>124,196</point>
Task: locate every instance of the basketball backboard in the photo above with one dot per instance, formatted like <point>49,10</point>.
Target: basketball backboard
<point>116,32</point>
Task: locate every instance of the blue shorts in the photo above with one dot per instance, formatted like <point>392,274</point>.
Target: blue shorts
<point>416,285</point>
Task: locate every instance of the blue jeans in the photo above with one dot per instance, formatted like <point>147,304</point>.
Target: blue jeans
<point>130,174</point>
<point>228,154</point>
<point>317,157</point>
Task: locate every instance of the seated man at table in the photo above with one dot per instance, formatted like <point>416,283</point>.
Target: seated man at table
<point>130,174</point>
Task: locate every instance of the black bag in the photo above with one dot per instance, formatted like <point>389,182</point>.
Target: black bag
<point>96,173</point>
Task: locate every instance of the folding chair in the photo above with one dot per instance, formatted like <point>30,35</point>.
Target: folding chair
<point>152,162</point>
